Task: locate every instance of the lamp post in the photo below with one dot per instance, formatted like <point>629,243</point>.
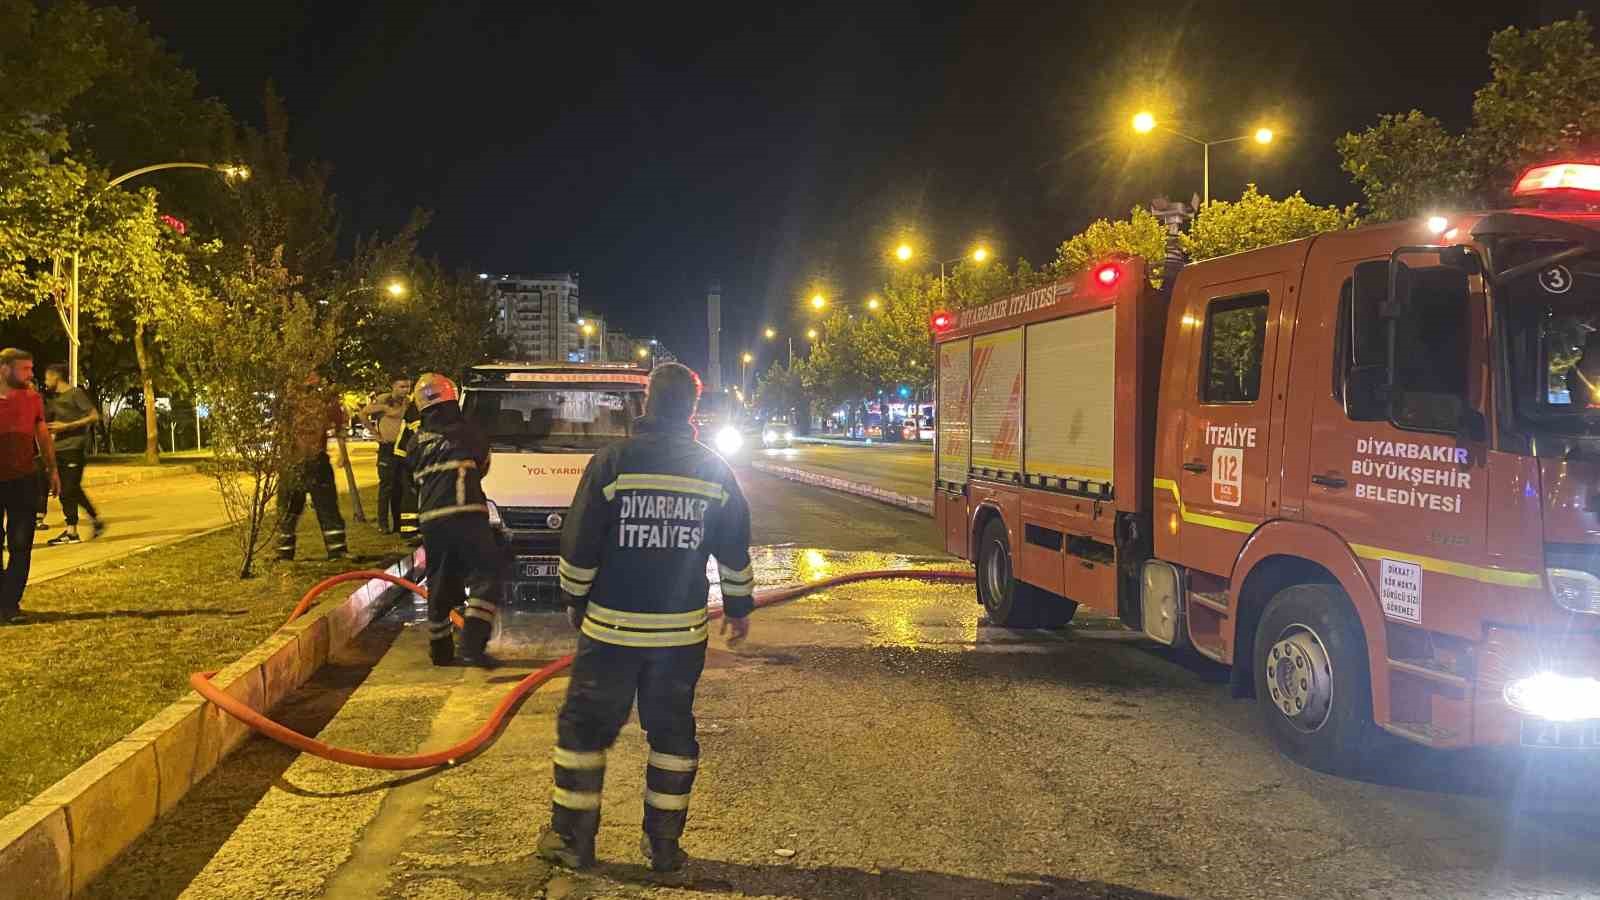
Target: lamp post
<point>70,319</point>
<point>905,253</point>
<point>1144,123</point>
<point>745,359</point>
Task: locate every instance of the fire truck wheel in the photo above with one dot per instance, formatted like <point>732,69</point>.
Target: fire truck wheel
<point>1011,603</point>
<point>1312,683</point>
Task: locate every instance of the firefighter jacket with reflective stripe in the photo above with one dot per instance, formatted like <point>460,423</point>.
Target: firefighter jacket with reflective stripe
<point>648,513</point>
<point>445,458</point>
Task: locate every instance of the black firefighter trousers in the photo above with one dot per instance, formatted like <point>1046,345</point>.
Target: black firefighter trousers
<point>464,565</point>
<point>314,477</point>
<point>605,679</point>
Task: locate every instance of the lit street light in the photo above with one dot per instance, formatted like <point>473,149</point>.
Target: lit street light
<point>811,334</point>
<point>979,254</point>
<point>745,359</point>
<point>818,301</point>
<point>395,289</point>
<point>771,333</point>
<point>1144,123</point>
<point>228,171</point>
<point>873,304</point>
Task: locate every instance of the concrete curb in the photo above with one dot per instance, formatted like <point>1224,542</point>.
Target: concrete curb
<point>56,844</point>
<point>108,475</point>
<point>923,505</point>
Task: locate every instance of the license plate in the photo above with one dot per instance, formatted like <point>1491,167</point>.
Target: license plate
<point>1561,735</point>
<point>538,570</point>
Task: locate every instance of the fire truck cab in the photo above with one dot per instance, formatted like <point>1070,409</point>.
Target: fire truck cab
<point>1362,469</point>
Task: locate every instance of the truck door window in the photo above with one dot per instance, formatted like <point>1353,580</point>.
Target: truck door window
<point>1430,378</point>
<point>1236,334</point>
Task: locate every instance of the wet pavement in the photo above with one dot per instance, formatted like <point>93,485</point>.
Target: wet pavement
<point>905,468</point>
<point>876,740</point>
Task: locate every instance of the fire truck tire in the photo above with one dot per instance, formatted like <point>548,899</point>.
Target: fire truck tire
<point>1312,683</point>
<point>1011,603</point>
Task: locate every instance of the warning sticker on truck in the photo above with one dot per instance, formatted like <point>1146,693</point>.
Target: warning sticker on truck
<point>1400,590</point>
<point>1227,476</point>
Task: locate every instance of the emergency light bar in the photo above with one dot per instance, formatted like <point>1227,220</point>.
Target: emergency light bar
<point>1107,274</point>
<point>1560,179</point>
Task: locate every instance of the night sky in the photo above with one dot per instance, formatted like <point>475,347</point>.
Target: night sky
<point>656,150</point>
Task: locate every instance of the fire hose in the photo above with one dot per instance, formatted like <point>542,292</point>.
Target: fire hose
<point>201,681</point>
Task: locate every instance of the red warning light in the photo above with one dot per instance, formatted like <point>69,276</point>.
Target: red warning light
<point>1107,274</point>
<point>942,321</point>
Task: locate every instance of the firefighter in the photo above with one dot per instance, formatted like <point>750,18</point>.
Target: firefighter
<point>311,472</point>
<point>647,514</point>
<point>407,524</point>
<point>445,459</point>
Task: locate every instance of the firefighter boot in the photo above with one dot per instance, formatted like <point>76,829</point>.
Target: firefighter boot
<point>476,632</point>
<point>574,853</point>
<point>664,853</point>
<point>441,643</point>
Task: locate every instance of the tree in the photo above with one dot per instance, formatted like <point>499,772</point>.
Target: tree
<point>1407,164</point>
<point>1542,101</point>
<point>1141,234</point>
<point>1257,220</point>
<point>780,391</point>
<point>251,344</point>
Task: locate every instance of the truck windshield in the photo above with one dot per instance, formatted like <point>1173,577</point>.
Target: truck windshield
<point>1552,329</point>
<point>570,419</point>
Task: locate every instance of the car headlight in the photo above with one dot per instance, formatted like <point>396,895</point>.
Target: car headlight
<point>729,440</point>
<point>769,436</point>
<point>1574,589</point>
<point>1557,698</point>
<point>494,514</point>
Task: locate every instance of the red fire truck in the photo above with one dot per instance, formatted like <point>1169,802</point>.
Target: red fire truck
<point>1362,469</point>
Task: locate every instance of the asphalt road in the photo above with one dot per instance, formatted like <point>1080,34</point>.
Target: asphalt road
<point>904,468</point>
<point>878,740</point>
<point>144,514</point>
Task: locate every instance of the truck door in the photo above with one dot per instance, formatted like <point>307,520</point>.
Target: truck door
<point>1224,477</point>
<point>1408,492</point>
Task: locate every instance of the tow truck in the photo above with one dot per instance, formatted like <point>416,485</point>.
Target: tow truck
<point>1362,469</point>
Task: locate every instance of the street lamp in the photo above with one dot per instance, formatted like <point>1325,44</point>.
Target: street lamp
<point>745,359</point>
<point>874,304</point>
<point>811,334</point>
<point>818,301</point>
<point>396,289</point>
<point>771,333</point>
<point>1144,123</point>
<point>229,171</point>
<point>978,254</point>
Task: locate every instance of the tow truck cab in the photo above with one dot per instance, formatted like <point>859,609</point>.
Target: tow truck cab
<point>544,422</point>
<point>1362,469</point>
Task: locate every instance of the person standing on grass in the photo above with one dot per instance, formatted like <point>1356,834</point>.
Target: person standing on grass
<point>386,416</point>
<point>69,413</point>
<point>22,429</point>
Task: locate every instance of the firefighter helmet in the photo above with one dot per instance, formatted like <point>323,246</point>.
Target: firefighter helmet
<point>433,389</point>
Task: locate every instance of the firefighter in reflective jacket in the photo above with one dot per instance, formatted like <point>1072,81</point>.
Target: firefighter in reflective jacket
<point>407,526</point>
<point>445,459</point>
<point>648,513</point>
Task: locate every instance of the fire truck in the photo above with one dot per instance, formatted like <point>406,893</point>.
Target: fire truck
<point>1362,469</point>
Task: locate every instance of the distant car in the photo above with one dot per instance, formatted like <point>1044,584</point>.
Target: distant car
<point>777,434</point>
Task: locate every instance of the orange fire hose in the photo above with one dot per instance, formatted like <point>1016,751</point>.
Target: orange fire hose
<point>201,681</point>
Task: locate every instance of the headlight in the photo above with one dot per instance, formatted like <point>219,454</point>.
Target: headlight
<point>769,436</point>
<point>494,514</point>
<point>1574,589</point>
<point>729,440</point>
<point>1558,698</point>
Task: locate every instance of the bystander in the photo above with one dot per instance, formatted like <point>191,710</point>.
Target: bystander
<point>69,414</point>
<point>22,430</point>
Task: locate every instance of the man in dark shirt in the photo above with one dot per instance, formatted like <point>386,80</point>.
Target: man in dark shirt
<point>69,413</point>
<point>22,429</point>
